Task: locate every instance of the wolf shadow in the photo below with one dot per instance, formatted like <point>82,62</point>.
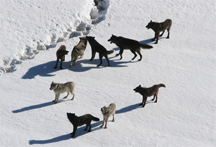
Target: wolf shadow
<point>80,132</point>
<point>44,70</point>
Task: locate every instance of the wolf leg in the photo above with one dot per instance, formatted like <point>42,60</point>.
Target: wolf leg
<point>67,94</point>
<point>72,59</point>
<point>61,64</point>
<point>168,33</point>
<point>73,96</point>
<point>144,98</point>
<point>135,55</point>
<point>89,127</point>
<point>100,57</point>
<point>113,118</point>
<point>107,60</point>
<point>156,99</point>
<point>93,55</point>
<point>56,98</point>
<point>157,37</point>
<point>120,53</point>
<point>106,123</point>
<point>74,131</point>
<point>102,123</point>
<point>142,102</point>
<point>140,55</point>
<point>71,63</point>
<point>162,34</point>
<point>75,59</point>
<point>153,98</point>
<point>56,63</point>
<point>86,127</point>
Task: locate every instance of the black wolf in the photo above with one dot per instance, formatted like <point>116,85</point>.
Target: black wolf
<point>146,92</point>
<point>81,120</point>
<point>97,47</point>
<point>159,27</point>
<point>60,54</point>
<point>125,43</point>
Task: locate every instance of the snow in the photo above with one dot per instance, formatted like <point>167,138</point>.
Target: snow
<point>31,33</point>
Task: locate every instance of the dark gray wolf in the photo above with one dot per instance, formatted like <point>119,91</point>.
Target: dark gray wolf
<point>58,88</point>
<point>81,120</point>
<point>146,92</point>
<point>107,112</point>
<point>125,43</point>
<point>97,47</point>
<point>60,54</point>
<point>159,27</point>
<point>78,50</point>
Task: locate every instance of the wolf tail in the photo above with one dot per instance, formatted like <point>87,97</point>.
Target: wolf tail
<point>145,46</point>
<point>162,85</point>
<point>110,52</point>
<point>95,118</point>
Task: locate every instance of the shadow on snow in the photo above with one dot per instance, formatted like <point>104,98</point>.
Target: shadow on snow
<point>80,131</point>
<point>46,69</point>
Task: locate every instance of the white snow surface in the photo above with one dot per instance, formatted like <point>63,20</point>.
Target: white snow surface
<point>32,31</point>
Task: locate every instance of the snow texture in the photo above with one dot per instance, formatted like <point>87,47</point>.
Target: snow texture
<point>31,33</point>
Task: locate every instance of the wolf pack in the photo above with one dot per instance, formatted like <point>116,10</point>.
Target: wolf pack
<point>123,43</point>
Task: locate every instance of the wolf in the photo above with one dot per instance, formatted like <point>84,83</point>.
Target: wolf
<point>78,50</point>
<point>58,88</point>
<point>146,92</point>
<point>107,112</point>
<point>81,120</point>
<point>159,27</point>
<point>97,47</point>
<point>60,54</point>
<point>125,43</point>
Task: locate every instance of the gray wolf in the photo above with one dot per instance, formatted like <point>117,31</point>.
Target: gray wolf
<point>81,120</point>
<point>159,27</point>
<point>60,54</point>
<point>78,50</point>
<point>97,47</point>
<point>107,112</point>
<point>146,92</point>
<point>125,43</point>
<point>61,88</point>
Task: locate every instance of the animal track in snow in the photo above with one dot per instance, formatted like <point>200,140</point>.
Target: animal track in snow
<point>81,27</point>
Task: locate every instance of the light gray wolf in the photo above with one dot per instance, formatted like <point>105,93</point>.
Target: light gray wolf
<point>107,112</point>
<point>60,54</point>
<point>78,50</point>
<point>97,47</point>
<point>58,88</point>
<point>146,92</point>
<point>159,27</point>
<point>81,120</point>
<point>125,43</point>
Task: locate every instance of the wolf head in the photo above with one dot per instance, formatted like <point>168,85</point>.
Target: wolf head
<point>83,39</point>
<point>71,117</point>
<point>138,88</point>
<point>112,39</point>
<point>104,110</point>
<point>90,38</point>
<point>150,24</point>
<point>53,85</point>
<point>70,114</point>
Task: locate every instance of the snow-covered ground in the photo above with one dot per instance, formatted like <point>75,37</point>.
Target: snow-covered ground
<point>32,31</point>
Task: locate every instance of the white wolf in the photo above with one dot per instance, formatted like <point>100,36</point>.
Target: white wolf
<point>107,112</point>
<point>61,88</point>
<point>78,50</point>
